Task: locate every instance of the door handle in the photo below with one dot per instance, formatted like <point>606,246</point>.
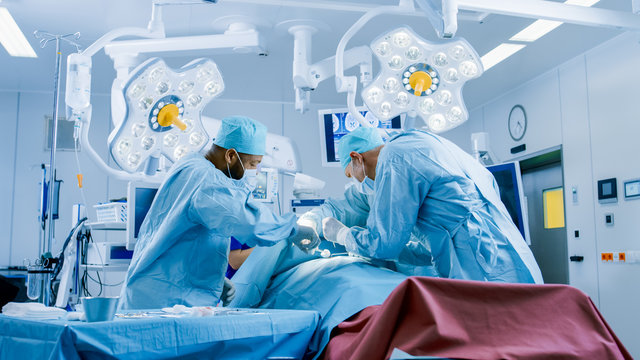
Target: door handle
<point>576,258</point>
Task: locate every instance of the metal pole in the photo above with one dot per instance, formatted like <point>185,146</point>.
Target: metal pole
<point>52,164</point>
<point>54,138</point>
<point>45,38</point>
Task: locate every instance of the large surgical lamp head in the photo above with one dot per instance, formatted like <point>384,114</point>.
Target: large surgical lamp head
<point>421,78</point>
<point>163,110</point>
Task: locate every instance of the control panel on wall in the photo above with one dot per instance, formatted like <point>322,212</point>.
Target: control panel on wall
<point>607,191</point>
<point>632,189</point>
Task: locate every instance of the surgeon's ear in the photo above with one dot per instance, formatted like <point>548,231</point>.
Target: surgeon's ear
<point>355,156</point>
<point>229,155</point>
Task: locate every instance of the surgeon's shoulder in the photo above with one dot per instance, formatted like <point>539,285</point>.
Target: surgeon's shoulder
<point>195,164</point>
<point>410,144</point>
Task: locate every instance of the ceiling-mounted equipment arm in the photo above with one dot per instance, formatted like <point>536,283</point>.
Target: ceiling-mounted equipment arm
<point>358,56</point>
<point>443,15</point>
<point>307,77</point>
<point>557,11</point>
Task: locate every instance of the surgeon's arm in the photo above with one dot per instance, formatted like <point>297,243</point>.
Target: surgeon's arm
<point>231,212</point>
<point>351,211</point>
<point>400,189</point>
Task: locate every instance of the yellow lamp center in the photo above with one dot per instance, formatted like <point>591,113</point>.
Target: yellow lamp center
<point>420,81</point>
<point>169,115</point>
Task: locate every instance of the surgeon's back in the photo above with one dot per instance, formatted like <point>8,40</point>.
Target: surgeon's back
<point>178,260</point>
<point>461,217</point>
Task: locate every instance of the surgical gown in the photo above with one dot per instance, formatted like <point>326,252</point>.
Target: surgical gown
<point>430,192</point>
<point>183,243</point>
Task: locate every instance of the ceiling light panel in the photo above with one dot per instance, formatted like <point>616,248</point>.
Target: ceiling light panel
<point>12,38</point>
<point>500,53</point>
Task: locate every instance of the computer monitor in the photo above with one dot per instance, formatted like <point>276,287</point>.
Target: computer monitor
<point>336,123</point>
<point>140,195</point>
<point>509,181</point>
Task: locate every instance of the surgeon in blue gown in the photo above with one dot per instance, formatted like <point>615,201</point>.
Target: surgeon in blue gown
<point>183,244</point>
<point>430,204</point>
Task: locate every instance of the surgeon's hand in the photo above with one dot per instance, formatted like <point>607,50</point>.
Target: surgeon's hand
<point>228,292</point>
<point>331,228</point>
<point>306,239</point>
<point>313,220</point>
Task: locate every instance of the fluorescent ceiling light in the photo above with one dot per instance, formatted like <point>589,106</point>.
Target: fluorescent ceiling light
<point>540,28</point>
<point>12,38</point>
<point>581,2</point>
<point>500,53</point>
<point>535,31</point>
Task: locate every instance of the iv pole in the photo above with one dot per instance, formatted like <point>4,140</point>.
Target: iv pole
<point>45,39</point>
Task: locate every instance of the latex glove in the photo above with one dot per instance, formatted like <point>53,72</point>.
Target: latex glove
<point>313,220</point>
<point>306,239</point>
<point>331,228</point>
<point>228,292</point>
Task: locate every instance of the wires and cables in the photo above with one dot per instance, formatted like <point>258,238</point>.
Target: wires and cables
<point>59,261</point>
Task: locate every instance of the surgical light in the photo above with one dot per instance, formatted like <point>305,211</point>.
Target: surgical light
<point>12,38</point>
<point>163,110</point>
<point>421,76</point>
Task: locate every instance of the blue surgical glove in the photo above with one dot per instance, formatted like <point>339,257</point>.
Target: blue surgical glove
<point>228,292</point>
<point>334,230</point>
<point>306,238</point>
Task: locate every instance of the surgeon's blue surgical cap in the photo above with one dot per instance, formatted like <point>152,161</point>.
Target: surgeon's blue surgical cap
<point>359,140</point>
<point>244,134</point>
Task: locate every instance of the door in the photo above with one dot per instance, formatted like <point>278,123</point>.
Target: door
<point>543,188</point>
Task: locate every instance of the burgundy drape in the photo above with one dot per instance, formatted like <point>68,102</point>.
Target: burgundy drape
<point>478,320</point>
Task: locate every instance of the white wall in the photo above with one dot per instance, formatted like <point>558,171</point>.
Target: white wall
<point>613,113</point>
<point>23,153</point>
<point>589,106</point>
<point>9,102</point>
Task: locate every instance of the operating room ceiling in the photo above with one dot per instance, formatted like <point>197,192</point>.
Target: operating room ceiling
<point>253,77</point>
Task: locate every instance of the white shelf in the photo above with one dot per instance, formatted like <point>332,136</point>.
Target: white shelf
<point>107,226</point>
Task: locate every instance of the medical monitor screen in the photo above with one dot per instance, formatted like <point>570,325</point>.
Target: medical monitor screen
<point>260,192</point>
<point>508,178</point>
<point>339,123</point>
<point>144,198</point>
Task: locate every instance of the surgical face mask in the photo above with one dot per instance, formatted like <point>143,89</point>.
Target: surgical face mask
<point>244,172</point>
<point>366,186</point>
<point>251,177</point>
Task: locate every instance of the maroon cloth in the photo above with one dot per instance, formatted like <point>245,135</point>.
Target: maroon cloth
<point>478,320</point>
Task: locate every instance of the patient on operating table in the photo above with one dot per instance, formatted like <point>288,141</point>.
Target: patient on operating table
<point>238,253</point>
<point>326,280</point>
